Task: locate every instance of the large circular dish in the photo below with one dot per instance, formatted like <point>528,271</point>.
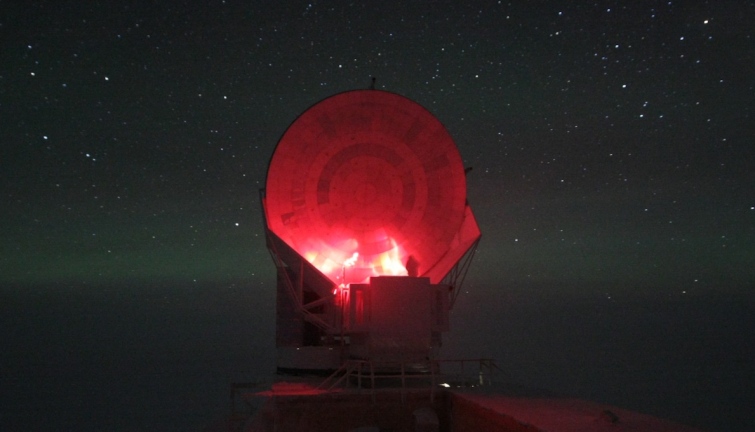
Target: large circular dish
<point>366,183</point>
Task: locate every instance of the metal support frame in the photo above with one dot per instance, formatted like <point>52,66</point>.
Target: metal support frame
<point>294,290</point>
<point>455,278</point>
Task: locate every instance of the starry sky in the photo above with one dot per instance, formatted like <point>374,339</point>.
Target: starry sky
<point>611,142</point>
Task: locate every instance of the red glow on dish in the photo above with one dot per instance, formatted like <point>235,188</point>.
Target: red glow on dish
<point>366,181</point>
<point>347,265</point>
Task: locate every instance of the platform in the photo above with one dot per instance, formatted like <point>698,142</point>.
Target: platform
<point>300,407</point>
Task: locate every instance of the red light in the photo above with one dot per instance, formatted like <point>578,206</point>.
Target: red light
<point>364,182</point>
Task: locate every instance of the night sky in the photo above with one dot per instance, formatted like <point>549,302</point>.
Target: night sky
<point>611,145</point>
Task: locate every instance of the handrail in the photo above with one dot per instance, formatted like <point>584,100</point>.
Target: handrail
<point>366,369</point>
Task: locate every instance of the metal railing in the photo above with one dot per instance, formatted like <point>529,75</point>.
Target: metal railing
<point>403,375</point>
<point>468,372</point>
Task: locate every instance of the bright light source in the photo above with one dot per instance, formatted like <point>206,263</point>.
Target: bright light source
<point>357,268</point>
<point>351,261</point>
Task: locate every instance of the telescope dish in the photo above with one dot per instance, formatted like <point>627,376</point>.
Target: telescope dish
<point>368,183</point>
